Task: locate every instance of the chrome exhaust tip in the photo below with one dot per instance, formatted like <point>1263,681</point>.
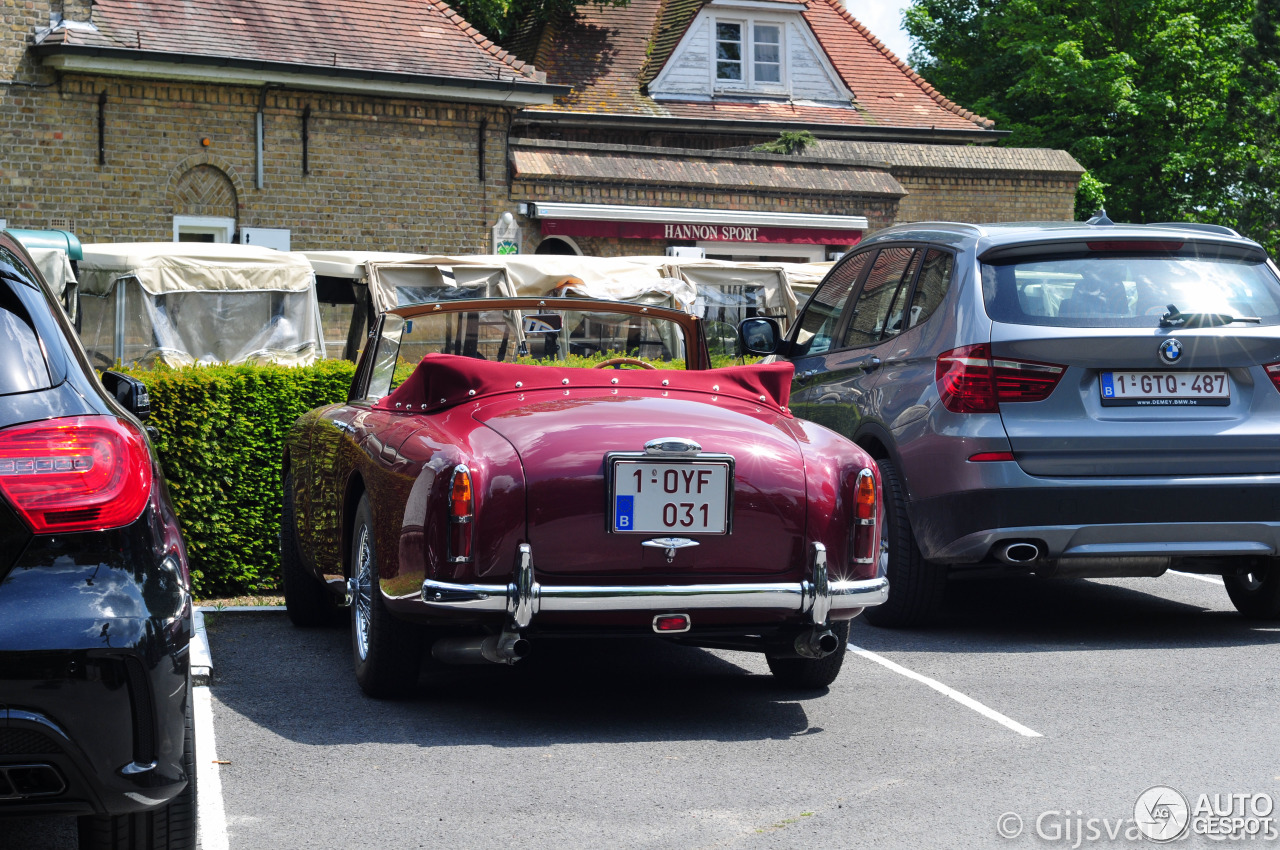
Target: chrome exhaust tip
<point>816,643</point>
<point>506,648</point>
<point>1022,552</point>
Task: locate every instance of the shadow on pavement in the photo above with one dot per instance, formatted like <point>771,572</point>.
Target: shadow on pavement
<point>299,684</point>
<point>1028,614</point>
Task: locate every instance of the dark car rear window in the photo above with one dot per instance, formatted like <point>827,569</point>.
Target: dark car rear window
<point>1124,291</point>
<point>22,364</point>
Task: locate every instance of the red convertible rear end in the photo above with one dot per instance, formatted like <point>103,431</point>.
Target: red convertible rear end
<point>482,491</point>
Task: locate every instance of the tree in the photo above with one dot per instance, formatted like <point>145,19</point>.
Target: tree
<point>500,19</point>
<point>1165,102</point>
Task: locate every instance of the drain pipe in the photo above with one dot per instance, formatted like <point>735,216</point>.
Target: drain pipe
<point>260,128</point>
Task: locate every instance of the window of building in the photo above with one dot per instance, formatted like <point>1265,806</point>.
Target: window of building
<point>748,54</point>
<point>728,51</point>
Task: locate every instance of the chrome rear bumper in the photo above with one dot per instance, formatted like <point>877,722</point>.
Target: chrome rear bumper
<point>525,597</point>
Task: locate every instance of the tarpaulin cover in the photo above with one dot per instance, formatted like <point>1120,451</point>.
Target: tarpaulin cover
<point>163,267</point>
<point>445,380</point>
<point>183,303</point>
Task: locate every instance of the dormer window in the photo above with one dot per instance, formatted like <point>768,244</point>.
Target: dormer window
<point>748,54</point>
<point>742,51</point>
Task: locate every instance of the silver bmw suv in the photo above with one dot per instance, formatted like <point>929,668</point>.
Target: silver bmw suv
<point>1068,399</point>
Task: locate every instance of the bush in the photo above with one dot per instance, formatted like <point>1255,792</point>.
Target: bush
<point>221,439</point>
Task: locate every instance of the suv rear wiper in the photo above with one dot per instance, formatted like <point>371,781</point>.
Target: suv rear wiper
<point>1175,318</point>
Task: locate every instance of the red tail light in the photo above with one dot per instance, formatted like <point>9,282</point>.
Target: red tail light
<point>461,513</point>
<point>866,541</point>
<point>82,473</point>
<point>1273,372</point>
<point>969,381</point>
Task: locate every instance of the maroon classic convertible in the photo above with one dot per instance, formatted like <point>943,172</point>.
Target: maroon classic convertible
<point>475,495</point>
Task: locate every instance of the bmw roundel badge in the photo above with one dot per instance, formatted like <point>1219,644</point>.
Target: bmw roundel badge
<point>1171,351</point>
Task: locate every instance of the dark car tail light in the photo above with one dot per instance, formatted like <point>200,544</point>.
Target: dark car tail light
<point>970,381</point>
<point>81,473</point>
<point>1273,372</point>
<point>461,514</point>
<point>866,541</point>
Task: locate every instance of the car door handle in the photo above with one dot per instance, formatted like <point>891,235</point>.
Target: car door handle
<point>874,364</point>
<point>806,375</point>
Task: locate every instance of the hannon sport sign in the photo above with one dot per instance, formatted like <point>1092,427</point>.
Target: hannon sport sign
<point>700,232</point>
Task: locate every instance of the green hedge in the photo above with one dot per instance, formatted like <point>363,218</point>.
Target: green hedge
<point>221,439</point>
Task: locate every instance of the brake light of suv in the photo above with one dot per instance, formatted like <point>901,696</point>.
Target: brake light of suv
<point>79,473</point>
<point>970,381</point>
<point>1273,372</point>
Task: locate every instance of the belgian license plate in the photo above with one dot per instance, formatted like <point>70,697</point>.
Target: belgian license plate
<point>661,497</point>
<point>1165,389</point>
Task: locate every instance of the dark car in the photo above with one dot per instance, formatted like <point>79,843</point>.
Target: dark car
<point>1069,399</point>
<point>95,607</point>
<point>476,495</point>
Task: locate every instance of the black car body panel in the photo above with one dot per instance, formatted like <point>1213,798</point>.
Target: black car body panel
<point>95,625</point>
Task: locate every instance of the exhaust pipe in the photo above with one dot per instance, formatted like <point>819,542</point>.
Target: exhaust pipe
<point>816,643</point>
<point>1021,552</point>
<point>506,648</point>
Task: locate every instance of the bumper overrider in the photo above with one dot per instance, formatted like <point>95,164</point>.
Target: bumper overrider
<point>524,598</point>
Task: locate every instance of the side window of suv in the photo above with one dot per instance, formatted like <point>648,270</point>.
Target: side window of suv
<point>932,285</point>
<point>818,324</point>
<point>874,313</point>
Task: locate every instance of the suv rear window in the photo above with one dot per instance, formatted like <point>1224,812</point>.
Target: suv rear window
<point>1128,291</point>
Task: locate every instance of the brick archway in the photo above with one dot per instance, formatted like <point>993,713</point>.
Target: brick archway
<point>201,187</point>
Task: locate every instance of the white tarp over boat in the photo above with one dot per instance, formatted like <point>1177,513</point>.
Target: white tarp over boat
<point>183,303</point>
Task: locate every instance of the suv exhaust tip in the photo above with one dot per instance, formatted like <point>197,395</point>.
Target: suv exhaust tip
<point>1021,552</point>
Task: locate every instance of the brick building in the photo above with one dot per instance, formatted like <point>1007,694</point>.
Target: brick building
<point>394,125</point>
<point>669,98</point>
<point>372,124</point>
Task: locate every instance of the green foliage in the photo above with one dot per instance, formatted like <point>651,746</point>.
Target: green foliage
<point>1169,104</point>
<point>499,19</point>
<point>788,142</point>
<point>221,433</point>
<point>1091,196</point>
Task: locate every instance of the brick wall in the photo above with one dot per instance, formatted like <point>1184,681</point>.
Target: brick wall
<point>384,174</point>
<point>981,197</point>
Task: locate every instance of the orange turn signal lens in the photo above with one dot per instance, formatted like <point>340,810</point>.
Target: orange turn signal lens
<point>460,496</point>
<point>865,498</point>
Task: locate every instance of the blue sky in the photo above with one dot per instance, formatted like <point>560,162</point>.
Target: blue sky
<point>884,18</point>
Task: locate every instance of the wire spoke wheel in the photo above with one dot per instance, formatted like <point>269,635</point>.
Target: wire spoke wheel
<point>363,602</point>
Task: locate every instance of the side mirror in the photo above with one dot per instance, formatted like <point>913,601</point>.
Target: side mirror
<point>760,336</point>
<point>130,392</point>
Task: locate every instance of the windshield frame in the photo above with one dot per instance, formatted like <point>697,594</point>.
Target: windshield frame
<point>697,356</point>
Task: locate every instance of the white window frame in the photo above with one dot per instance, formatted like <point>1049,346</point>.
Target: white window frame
<point>749,83</point>
<point>803,253</point>
<point>221,227</point>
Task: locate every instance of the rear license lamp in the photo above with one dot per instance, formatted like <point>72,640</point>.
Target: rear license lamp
<point>80,473</point>
<point>461,514</point>
<point>672,623</point>
<point>971,381</point>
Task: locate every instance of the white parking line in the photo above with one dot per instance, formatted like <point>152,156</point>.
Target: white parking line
<point>968,702</point>
<point>1211,579</point>
<point>211,826</point>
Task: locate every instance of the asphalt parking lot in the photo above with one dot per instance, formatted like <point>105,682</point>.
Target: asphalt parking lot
<point>1045,706</point>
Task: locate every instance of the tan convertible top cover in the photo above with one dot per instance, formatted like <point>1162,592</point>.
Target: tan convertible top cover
<point>164,267</point>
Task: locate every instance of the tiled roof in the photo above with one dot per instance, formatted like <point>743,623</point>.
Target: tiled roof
<point>726,171</point>
<point>900,155</point>
<point>418,37</point>
<point>609,54</point>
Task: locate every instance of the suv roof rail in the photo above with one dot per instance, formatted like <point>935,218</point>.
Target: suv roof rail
<point>953,225</point>
<point>1195,225</point>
